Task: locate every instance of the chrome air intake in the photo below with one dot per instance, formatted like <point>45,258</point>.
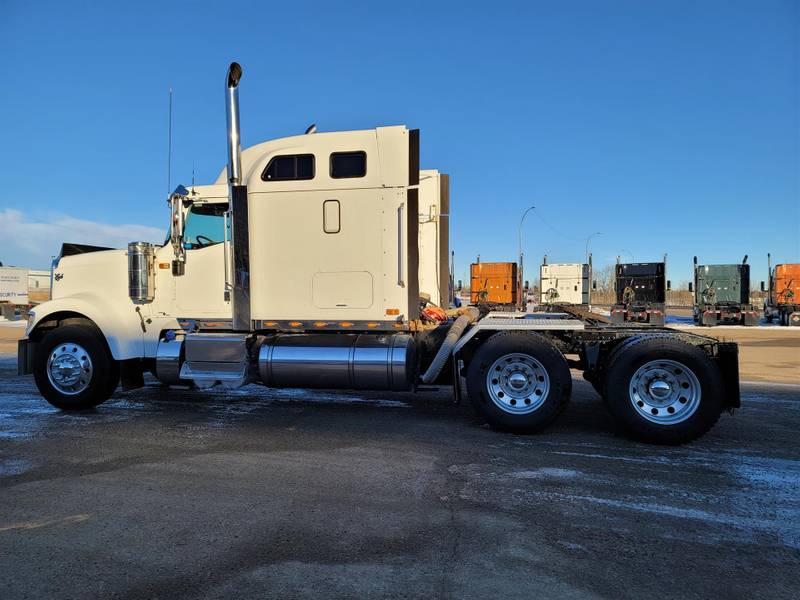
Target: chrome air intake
<point>344,361</point>
<point>141,272</point>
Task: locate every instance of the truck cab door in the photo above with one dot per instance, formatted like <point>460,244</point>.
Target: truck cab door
<point>200,292</point>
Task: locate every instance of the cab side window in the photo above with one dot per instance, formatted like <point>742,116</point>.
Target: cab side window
<point>205,225</point>
<point>289,167</point>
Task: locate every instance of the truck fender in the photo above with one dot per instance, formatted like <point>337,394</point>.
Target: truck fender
<point>121,329</point>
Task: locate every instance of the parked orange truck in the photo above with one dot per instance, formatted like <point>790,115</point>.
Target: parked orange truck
<point>783,300</point>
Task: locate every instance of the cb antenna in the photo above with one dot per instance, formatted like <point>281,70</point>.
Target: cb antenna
<point>169,146</point>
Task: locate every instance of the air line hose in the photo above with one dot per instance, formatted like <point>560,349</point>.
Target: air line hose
<point>468,316</point>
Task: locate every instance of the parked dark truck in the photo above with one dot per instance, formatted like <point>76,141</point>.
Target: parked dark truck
<point>640,291</point>
<point>722,295</point>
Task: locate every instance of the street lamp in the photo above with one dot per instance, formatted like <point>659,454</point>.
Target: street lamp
<point>588,238</point>
<point>519,275</point>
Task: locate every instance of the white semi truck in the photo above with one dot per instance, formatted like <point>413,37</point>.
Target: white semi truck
<point>301,267</point>
<point>565,283</point>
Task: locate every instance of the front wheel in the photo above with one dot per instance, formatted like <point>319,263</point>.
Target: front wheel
<point>73,368</point>
<point>519,382</point>
<point>663,390</point>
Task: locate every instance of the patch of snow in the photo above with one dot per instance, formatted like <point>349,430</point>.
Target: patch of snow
<point>546,472</point>
<point>14,466</point>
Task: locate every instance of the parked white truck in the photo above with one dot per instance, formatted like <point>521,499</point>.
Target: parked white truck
<point>13,291</point>
<point>565,283</point>
<point>299,267</point>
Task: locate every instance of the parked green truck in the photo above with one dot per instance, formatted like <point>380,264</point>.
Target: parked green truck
<point>722,295</point>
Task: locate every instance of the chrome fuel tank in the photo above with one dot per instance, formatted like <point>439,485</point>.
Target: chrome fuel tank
<point>344,361</point>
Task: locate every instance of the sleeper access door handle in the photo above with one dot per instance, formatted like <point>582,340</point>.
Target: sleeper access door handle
<point>400,280</point>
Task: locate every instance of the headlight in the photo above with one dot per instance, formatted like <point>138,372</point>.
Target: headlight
<point>31,319</point>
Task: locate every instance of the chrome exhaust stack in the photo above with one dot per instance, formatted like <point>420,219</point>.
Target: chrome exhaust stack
<point>240,242</point>
<point>232,113</point>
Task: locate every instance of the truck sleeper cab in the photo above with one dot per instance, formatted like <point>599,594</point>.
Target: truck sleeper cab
<point>565,283</point>
<point>299,267</point>
<point>722,295</point>
<point>640,293</point>
<point>783,297</point>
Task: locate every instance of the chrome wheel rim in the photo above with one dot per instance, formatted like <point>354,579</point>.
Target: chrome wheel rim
<point>665,392</point>
<point>517,383</point>
<point>69,369</point>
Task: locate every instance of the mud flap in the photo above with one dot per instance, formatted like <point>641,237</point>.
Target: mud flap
<point>750,319</point>
<point>25,350</point>
<point>708,318</point>
<point>131,374</point>
<point>728,361</point>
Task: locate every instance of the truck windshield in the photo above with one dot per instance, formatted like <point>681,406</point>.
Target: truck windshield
<point>205,225</point>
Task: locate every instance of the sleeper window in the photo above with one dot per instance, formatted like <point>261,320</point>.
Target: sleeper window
<point>348,164</point>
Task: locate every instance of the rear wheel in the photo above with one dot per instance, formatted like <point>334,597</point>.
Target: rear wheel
<point>519,382</point>
<point>73,368</point>
<point>663,390</point>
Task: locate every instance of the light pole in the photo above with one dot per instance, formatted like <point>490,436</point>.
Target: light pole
<point>520,270</point>
<point>588,238</point>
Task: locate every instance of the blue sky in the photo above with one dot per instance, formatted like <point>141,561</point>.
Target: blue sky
<point>667,126</point>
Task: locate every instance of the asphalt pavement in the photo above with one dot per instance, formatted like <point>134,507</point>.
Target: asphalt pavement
<point>168,493</point>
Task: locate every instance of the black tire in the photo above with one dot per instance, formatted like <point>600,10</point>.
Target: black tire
<point>644,350</point>
<point>104,376</point>
<point>548,406</point>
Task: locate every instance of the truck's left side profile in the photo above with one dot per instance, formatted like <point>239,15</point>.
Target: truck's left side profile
<point>312,262</point>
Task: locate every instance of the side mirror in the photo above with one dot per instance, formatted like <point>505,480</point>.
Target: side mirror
<point>669,285</point>
<point>176,222</point>
<point>690,287</point>
<point>176,225</point>
<point>594,284</point>
<point>762,287</point>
